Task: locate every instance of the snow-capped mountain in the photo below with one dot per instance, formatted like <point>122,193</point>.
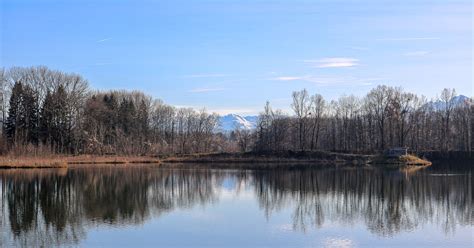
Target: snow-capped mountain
<point>232,121</point>
<point>456,101</point>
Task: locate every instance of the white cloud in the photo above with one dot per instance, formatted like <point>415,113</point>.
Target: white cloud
<point>204,90</point>
<point>409,39</point>
<point>331,80</point>
<point>103,40</point>
<point>333,62</point>
<point>416,53</point>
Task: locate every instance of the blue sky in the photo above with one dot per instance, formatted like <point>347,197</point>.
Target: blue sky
<point>233,55</point>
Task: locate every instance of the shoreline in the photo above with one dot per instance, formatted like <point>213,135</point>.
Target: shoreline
<point>259,159</point>
<point>65,161</point>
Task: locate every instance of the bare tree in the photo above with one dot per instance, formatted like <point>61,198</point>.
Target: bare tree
<point>379,100</point>
<point>244,139</point>
<point>318,108</point>
<point>3,97</point>
<point>57,110</point>
<point>446,97</point>
<point>301,106</point>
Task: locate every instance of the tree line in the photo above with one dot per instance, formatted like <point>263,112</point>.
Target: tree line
<point>386,117</point>
<point>48,111</point>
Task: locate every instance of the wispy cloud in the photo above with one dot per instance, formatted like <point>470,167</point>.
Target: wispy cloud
<point>103,40</point>
<point>205,75</point>
<point>205,90</point>
<point>333,81</point>
<point>416,53</point>
<point>333,62</point>
<point>408,39</point>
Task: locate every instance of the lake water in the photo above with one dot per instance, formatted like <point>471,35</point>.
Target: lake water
<point>178,206</point>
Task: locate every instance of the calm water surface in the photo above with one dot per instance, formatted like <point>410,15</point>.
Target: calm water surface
<point>144,206</point>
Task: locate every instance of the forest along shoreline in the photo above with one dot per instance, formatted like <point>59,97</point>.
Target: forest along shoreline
<point>47,117</point>
<point>256,160</point>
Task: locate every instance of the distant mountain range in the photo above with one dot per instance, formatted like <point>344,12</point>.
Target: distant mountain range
<point>456,101</point>
<point>232,121</point>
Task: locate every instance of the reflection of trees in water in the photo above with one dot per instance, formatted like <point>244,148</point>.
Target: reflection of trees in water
<point>39,212</point>
<point>50,208</point>
<point>2,217</point>
<point>387,201</point>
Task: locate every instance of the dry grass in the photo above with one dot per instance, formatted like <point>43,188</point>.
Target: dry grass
<point>406,160</point>
<point>286,157</point>
<point>410,170</point>
<point>89,159</point>
<point>414,160</point>
<point>214,158</point>
<point>10,162</point>
<point>32,162</point>
<point>33,173</point>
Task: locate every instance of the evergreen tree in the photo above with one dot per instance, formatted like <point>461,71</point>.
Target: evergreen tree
<point>13,122</point>
<point>30,115</point>
<point>110,117</point>
<point>127,113</point>
<point>22,122</point>
<point>61,120</point>
<point>55,121</point>
<point>46,119</point>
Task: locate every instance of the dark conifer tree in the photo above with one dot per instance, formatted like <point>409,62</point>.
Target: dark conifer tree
<point>30,115</point>
<point>46,119</point>
<point>127,113</point>
<point>22,122</point>
<point>13,122</point>
<point>61,120</point>
<point>110,118</point>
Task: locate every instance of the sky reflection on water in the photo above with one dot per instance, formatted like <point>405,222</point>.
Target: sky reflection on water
<point>320,207</point>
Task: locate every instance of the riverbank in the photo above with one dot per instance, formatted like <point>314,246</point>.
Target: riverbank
<point>406,160</point>
<point>251,158</point>
<point>32,162</point>
<point>64,161</point>
<point>302,157</point>
<point>320,157</point>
